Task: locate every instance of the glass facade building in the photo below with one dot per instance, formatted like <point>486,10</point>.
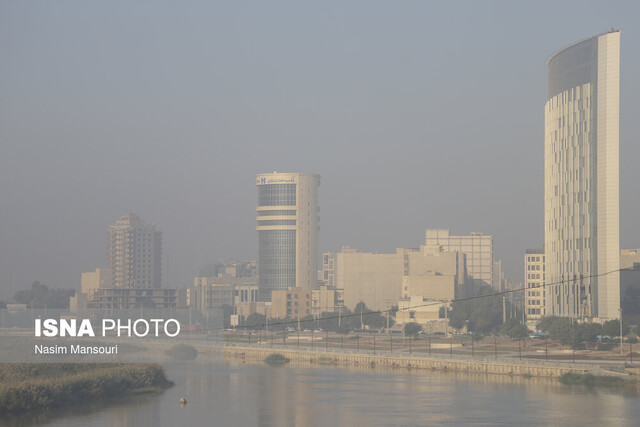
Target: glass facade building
<point>582,236</point>
<point>287,225</point>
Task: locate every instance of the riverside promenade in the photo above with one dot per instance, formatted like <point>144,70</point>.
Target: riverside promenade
<point>338,357</point>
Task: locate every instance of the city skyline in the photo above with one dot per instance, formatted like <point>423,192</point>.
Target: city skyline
<point>372,105</point>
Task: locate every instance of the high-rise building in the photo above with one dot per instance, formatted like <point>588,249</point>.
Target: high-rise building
<point>134,253</point>
<point>287,216</point>
<point>534,279</point>
<point>581,192</point>
<point>478,249</point>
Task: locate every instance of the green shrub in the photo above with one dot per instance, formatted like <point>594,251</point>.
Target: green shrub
<point>182,352</point>
<point>276,359</point>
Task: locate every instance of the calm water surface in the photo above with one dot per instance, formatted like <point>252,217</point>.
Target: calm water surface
<point>230,393</point>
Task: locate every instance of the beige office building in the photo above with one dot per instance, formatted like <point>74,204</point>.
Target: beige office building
<point>534,280</point>
<point>326,299</point>
<point>581,212</point>
<point>380,280</point>
<point>134,253</point>
<point>287,225</point>
<point>292,303</point>
<point>206,293</point>
<point>477,248</point>
<point>372,278</point>
<point>329,269</point>
<point>90,281</point>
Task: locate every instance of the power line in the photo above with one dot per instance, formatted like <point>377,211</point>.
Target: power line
<point>508,291</point>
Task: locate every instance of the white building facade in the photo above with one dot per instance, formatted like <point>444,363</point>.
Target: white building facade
<point>581,220</point>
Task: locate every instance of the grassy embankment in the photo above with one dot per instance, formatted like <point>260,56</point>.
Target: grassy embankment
<point>29,387</point>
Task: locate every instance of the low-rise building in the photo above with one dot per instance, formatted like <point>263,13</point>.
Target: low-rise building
<point>326,300</point>
<point>380,280</point>
<point>99,279</point>
<point>427,312</point>
<point>133,298</point>
<point>293,303</point>
<point>246,309</point>
<point>78,302</point>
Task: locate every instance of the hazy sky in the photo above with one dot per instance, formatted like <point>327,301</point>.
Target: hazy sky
<point>416,115</point>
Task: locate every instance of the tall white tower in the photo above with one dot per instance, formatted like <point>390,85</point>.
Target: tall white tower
<point>287,216</point>
<point>581,193</point>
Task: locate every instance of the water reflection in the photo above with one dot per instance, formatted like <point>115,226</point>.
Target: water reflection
<point>230,393</point>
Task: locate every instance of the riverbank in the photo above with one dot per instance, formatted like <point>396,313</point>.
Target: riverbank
<point>342,358</point>
<point>33,387</point>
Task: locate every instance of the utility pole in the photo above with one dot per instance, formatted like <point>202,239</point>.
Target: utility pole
<point>403,325</point>
<point>446,321</point>
<point>388,320</point>
<point>504,310</point>
<point>389,303</point>
<point>620,331</point>
<point>546,351</point>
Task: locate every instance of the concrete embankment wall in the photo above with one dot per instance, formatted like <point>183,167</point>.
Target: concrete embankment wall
<point>515,367</point>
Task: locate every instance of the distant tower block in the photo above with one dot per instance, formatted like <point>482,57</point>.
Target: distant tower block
<point>134,253</point>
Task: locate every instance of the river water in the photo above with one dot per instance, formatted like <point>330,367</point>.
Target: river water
<point>225,393</point>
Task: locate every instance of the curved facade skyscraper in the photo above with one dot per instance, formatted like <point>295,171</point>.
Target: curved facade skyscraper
<point>581,220</point>
<point>287,217</point>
